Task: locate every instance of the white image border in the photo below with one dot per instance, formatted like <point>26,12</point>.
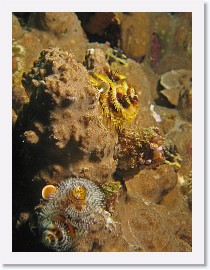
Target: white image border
<point>151,258</point>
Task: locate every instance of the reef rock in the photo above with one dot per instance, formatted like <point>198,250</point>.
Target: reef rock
<point>147,227</point>
<point>46,30</point>
<point>154,185</point>
<point>59,123</point>
<point>135,40</point>
<point>175,83</point>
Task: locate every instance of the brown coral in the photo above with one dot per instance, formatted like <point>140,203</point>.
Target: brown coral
<point>64,109</point>
<point>98,22</point>
<point>177,83</point>
<point>54,29</point>
<point>135,40</point>
<point>152,185</point>
<point>154,228</point>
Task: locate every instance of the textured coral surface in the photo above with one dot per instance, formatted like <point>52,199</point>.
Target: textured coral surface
<point>106,98</point>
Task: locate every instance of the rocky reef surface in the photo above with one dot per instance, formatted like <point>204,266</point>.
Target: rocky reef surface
<point>102,148</point>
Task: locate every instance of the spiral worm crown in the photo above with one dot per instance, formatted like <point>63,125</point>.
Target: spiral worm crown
<point>68,213</point>
<point>79,196</point>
